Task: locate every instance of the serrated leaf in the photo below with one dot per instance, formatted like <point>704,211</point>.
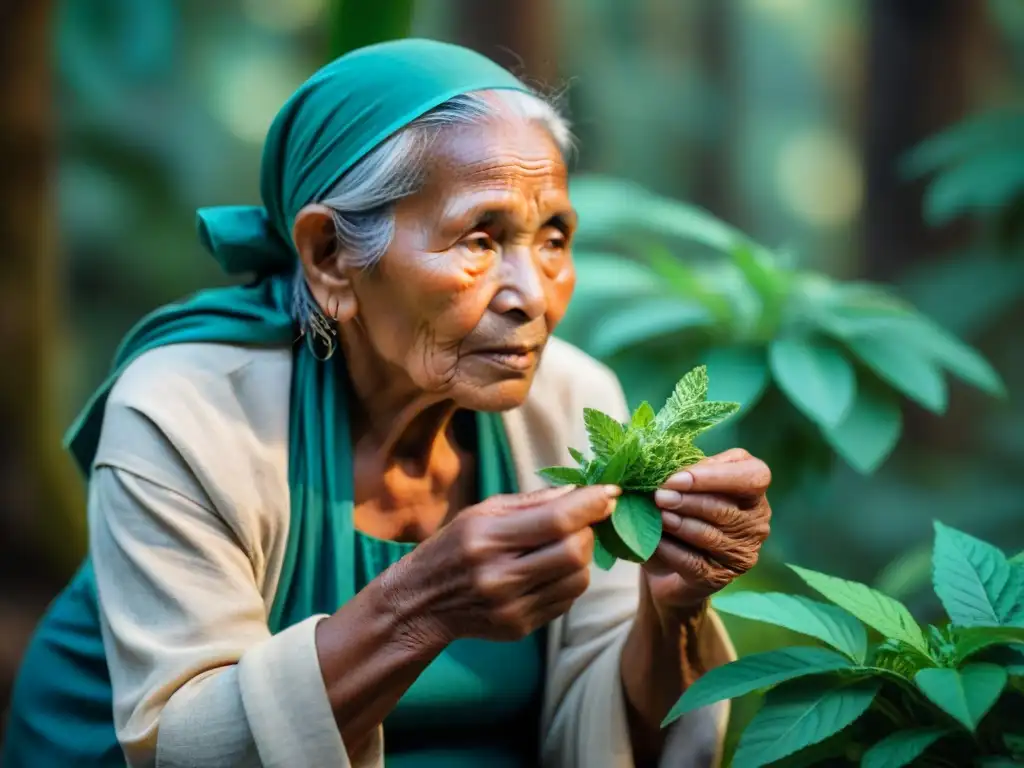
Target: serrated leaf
<point>642,416</point>
<point>901,748</point>
<point>972,640</point>
<point>563,476</point>
<point>593,471</point>
<point>794,717</point>
<point>816,377</point>
<point>577,457</point>
<point>754,672</point>
<point>698,417</point>
<point>617,466</point>
<point>888,616</point>
<point>915,376</point>
<point>689,390</point>
<point>965,694</point>
<point>603,559</point>
<point>977,585</point>
<point>605,433</point>
<point>637,520</point>
<point>870,431</point>
<point>827,623</point>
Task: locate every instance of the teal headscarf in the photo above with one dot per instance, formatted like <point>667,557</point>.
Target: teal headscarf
<point>332,121</point>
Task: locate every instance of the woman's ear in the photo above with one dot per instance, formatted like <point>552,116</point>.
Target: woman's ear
<point>323,262</point>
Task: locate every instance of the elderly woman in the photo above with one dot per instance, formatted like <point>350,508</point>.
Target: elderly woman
<point>317,537</point>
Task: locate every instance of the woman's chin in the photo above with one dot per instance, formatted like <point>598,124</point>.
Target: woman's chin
<point>492,396</point>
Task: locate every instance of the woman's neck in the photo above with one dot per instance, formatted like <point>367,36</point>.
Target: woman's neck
<point>394,419</point>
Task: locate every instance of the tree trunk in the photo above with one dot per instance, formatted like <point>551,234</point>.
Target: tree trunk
<point>521,35</point>
<point>41,515</point>
<point>919,81</point>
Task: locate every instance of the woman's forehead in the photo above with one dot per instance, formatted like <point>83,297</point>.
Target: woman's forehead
<point>496,154</point>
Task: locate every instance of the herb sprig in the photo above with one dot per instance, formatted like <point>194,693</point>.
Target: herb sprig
<point>639,456</point>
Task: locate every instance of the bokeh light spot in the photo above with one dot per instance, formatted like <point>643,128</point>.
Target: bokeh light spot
<point>819,178</point>
<point>285,15</point>
<point>250,90</point>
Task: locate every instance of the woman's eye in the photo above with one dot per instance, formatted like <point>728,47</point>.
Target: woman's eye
<point>479,244</point>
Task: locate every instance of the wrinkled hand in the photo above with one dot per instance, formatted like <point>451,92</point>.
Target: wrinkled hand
<point>502,568</point>
<point>715,518</point>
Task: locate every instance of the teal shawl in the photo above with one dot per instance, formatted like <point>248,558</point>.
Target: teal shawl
<point>333,120</point>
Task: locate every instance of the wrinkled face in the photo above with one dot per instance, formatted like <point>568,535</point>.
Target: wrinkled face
<point>479,272</point>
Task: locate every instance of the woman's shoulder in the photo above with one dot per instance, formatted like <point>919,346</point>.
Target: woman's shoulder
<point>209,416</point>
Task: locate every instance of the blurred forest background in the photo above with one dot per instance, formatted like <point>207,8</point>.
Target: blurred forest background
<point>872,151</point>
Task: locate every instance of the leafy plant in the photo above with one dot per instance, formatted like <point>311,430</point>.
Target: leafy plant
<point>886,704</point>
<point>639,456</point>
<point>818,365</point>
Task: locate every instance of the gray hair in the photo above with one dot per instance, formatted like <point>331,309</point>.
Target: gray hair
<point>362,204</point>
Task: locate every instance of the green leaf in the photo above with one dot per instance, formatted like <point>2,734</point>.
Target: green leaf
<point>794,717</point>
<point>975,582</point>
<point>577,456</point>
<point>603,559</point>
<point>736,374</point>
<point>901,748</point>
<point>966,694</point>
<point>972,640</point>
<point>915,376</point>
<point>696,418</point>
<point>1018,559</point>
<point>871,429</point>
<point>637,520</point>
<point>606,434</point>
<point>642,416</point>
<point>815,377</point>
<point>644,321</point>
<point>952,354</point>
<point>619,463</point>
<point>688,392</point>
<point>827,623</point>
<point>612,543</point>
<point>888,616</point>
<point>768,281</point>
<point>1015,743</point>
<point>563,476</point>
<point>754,672</point>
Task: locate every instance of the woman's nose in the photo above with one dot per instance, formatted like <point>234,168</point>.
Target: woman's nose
<point>522,288</point>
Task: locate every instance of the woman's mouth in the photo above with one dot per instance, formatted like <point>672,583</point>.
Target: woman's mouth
<point>512,358</point>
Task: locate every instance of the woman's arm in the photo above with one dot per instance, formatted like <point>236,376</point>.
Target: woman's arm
<point>197,677</point>
<point>661,657</point>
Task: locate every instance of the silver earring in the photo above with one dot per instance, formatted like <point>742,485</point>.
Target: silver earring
<point>320,333</point>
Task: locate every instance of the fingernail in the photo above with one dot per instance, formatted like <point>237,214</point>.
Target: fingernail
<point>667,499</point>
<point>681,480</point>
<point>671,521</point>
<point>611,506</point>
<point>612,490</point>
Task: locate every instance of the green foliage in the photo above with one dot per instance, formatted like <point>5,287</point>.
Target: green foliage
<point>901,748</point>
<point>639,456</point>
<point>977,167</point>
<point>890,703</point>
<point>663,284</point>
